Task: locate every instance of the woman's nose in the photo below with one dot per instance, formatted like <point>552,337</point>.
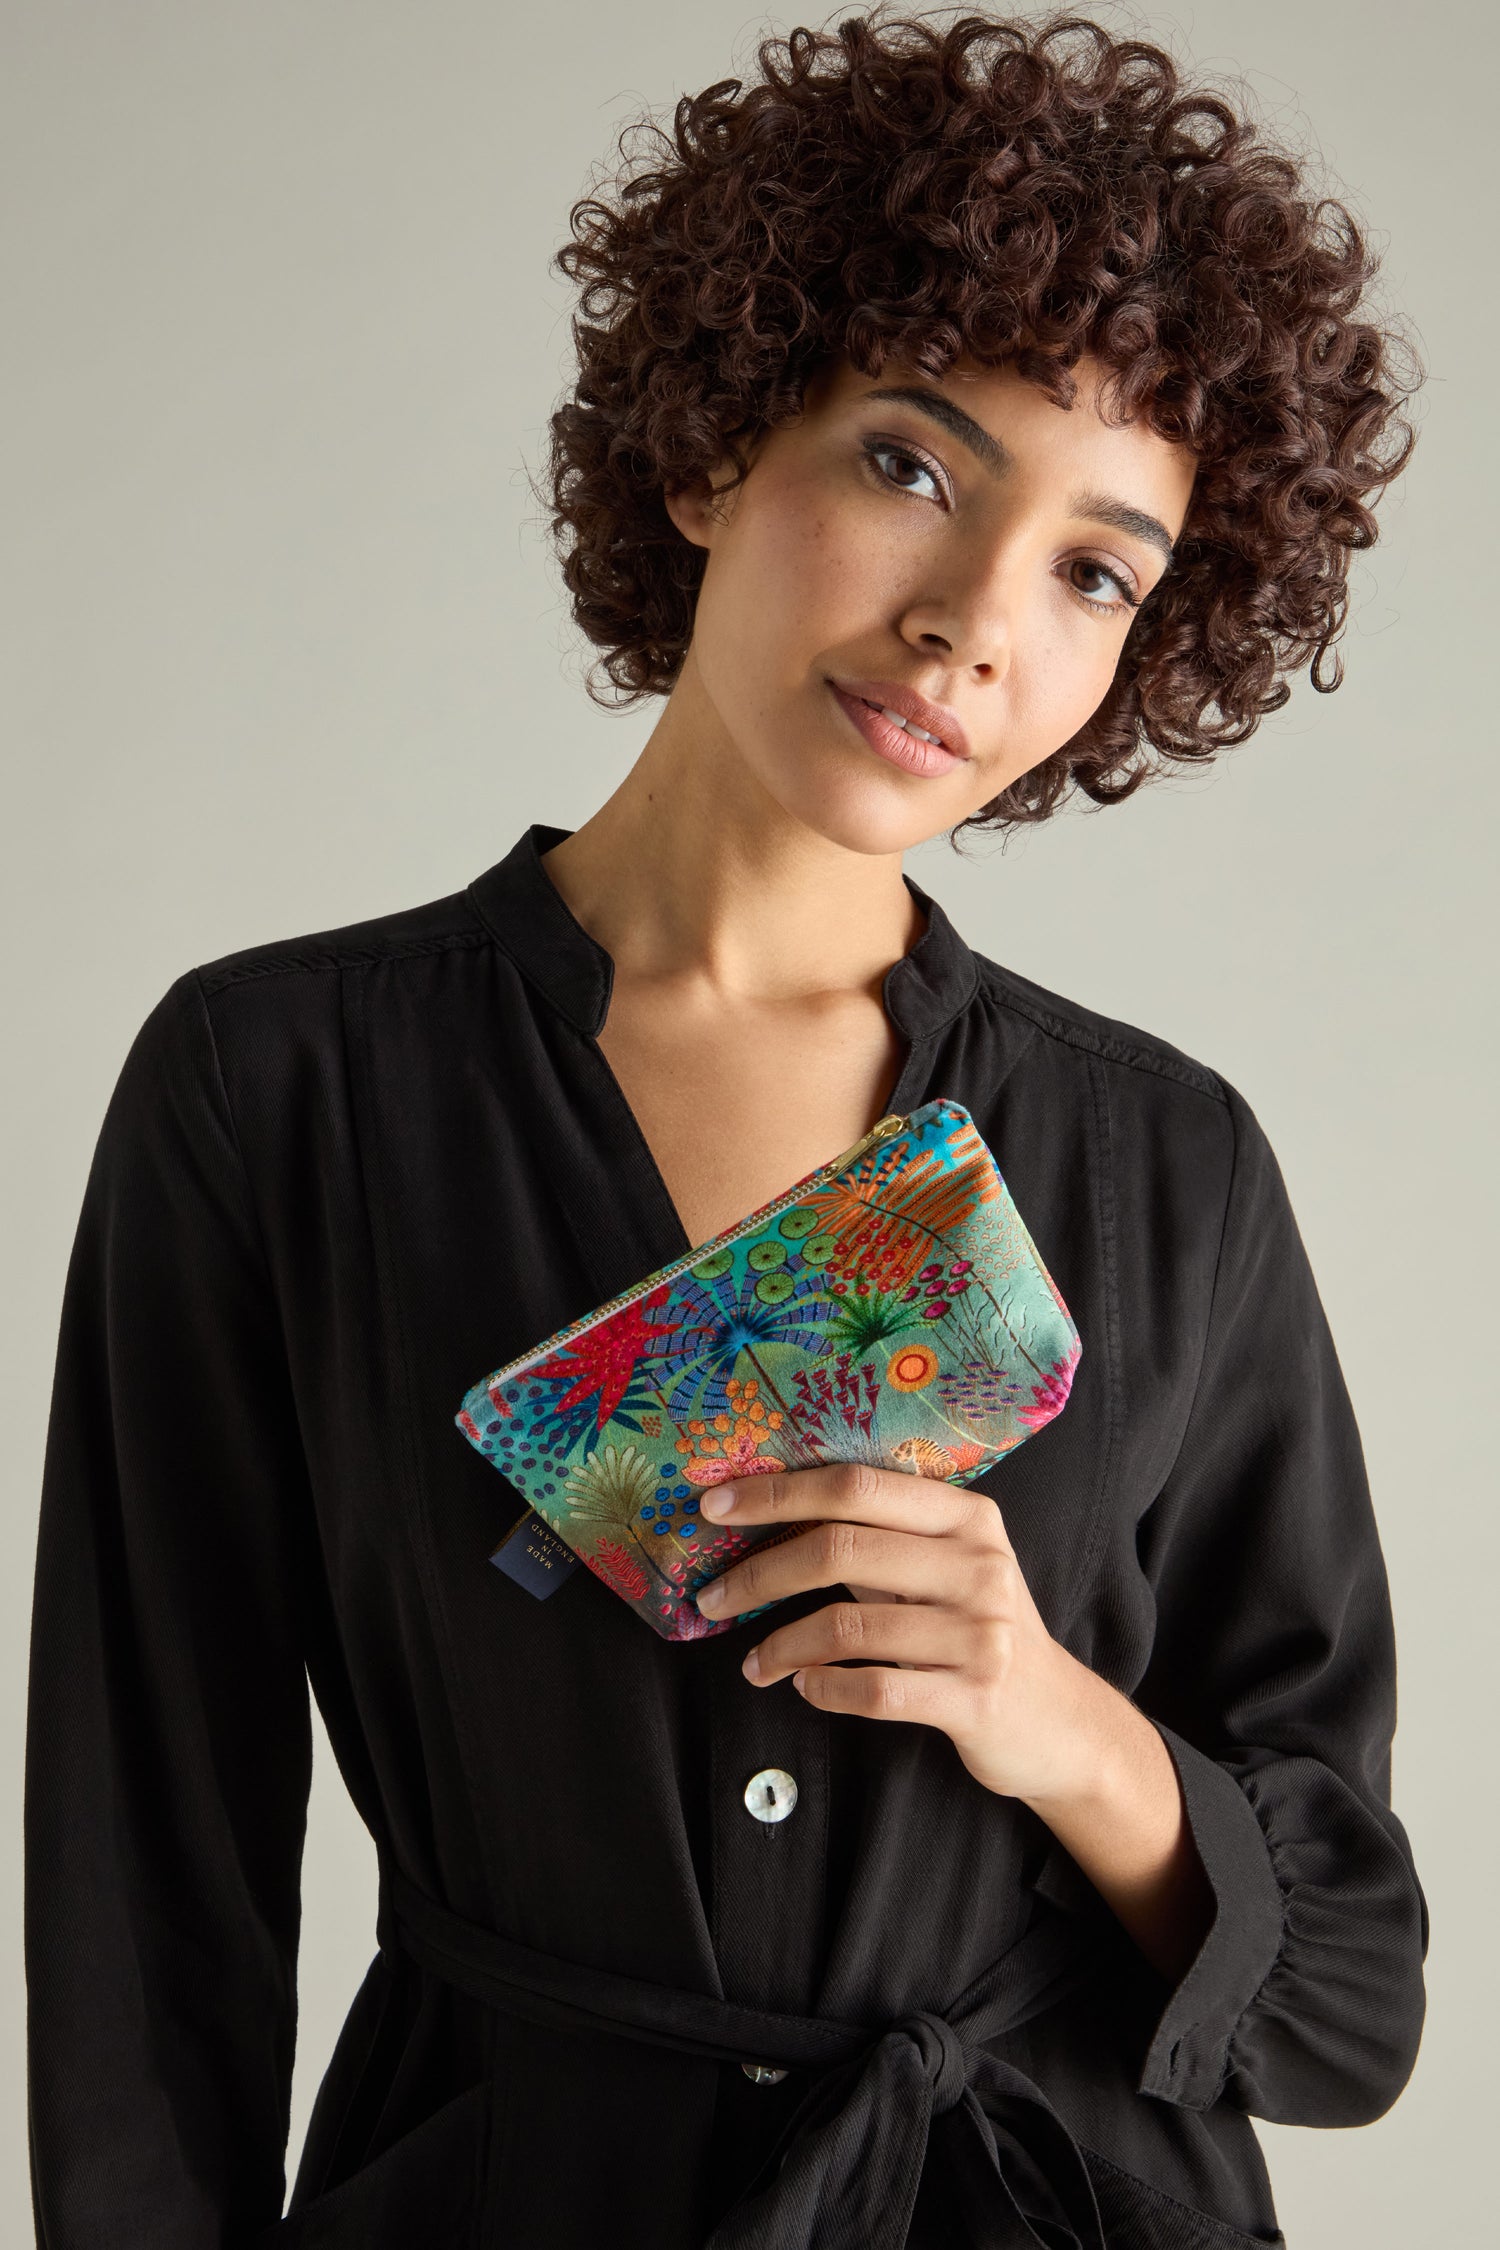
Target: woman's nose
<point>973,624</point>
<point>970,635</point>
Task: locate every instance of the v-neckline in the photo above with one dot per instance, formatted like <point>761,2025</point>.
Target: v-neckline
<point>519,904</point>
<point>910,1081</point>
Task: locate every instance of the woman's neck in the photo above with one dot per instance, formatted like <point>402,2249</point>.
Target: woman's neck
<point>690,873</point>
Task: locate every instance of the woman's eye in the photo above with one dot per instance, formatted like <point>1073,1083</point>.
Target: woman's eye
<point>908,464</point>
<point>1097,583</point>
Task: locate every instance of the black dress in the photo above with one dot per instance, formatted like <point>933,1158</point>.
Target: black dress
<point>339,1178</point>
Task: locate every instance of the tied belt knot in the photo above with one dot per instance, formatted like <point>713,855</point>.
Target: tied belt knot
<point>944,2057</point>
<point>845,2169</point>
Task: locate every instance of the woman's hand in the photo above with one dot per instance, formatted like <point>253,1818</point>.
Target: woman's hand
<point>940,1597</point>
<point>943,1609</point>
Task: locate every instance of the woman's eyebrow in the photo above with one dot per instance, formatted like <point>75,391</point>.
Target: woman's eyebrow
<point>1098,507</point>
<point>963,426</point>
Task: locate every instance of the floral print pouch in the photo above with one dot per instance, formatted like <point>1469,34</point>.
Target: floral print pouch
<point>891,1308</point>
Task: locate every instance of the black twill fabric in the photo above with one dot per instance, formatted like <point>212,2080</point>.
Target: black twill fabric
<point>337,1179</point>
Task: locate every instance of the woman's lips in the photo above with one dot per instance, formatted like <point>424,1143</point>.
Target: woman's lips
<point>893,742</point>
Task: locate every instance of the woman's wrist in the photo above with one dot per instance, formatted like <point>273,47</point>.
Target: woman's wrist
<point>1117,1809</point>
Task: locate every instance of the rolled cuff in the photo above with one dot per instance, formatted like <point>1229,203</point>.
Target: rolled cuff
<point>1188,2058</point>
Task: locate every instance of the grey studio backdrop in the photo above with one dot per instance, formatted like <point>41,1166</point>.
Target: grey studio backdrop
<point>283,647</point>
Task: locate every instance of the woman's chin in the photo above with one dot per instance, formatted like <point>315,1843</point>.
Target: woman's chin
<point>866,814</point>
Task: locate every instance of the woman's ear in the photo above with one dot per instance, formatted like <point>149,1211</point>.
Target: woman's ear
<point>689,509</point>
<point>701,508</point>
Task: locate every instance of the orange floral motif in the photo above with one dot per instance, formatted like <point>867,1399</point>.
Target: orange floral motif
<point>729,1445</point>
<point>890,1207</point>
<point>912,1368</point>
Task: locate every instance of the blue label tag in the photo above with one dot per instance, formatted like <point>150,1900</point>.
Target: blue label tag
<point>534,1556</point>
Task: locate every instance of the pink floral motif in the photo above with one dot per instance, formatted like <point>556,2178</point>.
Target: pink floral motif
<point>689,1622</point>
<point>738,1459</point>
<point>617,1569</point>
<point>1051,1393</point>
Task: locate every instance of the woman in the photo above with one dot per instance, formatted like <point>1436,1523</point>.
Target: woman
<point>965,416</point>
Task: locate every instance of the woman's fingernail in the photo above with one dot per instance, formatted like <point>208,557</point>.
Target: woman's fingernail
<point>751,1665</point>
<point>711,1595</point>
<point>718,1500</point>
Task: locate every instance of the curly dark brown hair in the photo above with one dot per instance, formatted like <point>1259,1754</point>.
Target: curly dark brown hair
<point>1016,192</point>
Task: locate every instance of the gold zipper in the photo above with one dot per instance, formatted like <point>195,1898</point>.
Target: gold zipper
<point>881,1131</point>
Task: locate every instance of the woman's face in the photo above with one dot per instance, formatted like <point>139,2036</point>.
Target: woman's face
<point>965,539</point>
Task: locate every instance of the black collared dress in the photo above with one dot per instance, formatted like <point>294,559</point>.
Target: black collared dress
<point>611,2003</point>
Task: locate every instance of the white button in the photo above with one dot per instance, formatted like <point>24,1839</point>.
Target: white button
<point>761,2074</point>
<point>771,1793</point>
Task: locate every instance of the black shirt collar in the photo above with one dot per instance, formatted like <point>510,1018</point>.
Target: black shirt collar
<point>522,907</point>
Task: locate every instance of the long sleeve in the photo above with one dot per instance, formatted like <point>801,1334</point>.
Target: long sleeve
<point>1272,1679</point>
<point>168,1748</point>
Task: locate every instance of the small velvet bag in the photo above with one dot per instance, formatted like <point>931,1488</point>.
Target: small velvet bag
<point>890,1307</point>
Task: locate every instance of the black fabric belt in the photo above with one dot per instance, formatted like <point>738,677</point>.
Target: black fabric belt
<point>845,2171</point>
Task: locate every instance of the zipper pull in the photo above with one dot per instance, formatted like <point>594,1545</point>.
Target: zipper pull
<point>878,1132</point>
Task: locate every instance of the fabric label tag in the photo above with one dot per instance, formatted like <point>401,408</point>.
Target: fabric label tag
<point>534,1556</point>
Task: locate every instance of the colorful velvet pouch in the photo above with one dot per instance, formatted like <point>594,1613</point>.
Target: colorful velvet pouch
<point>890,1308</point>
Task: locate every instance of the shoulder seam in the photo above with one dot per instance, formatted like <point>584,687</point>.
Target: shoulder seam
<point>291,963</point>
<point>252,1204</point>
<point>1197,1076</point>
